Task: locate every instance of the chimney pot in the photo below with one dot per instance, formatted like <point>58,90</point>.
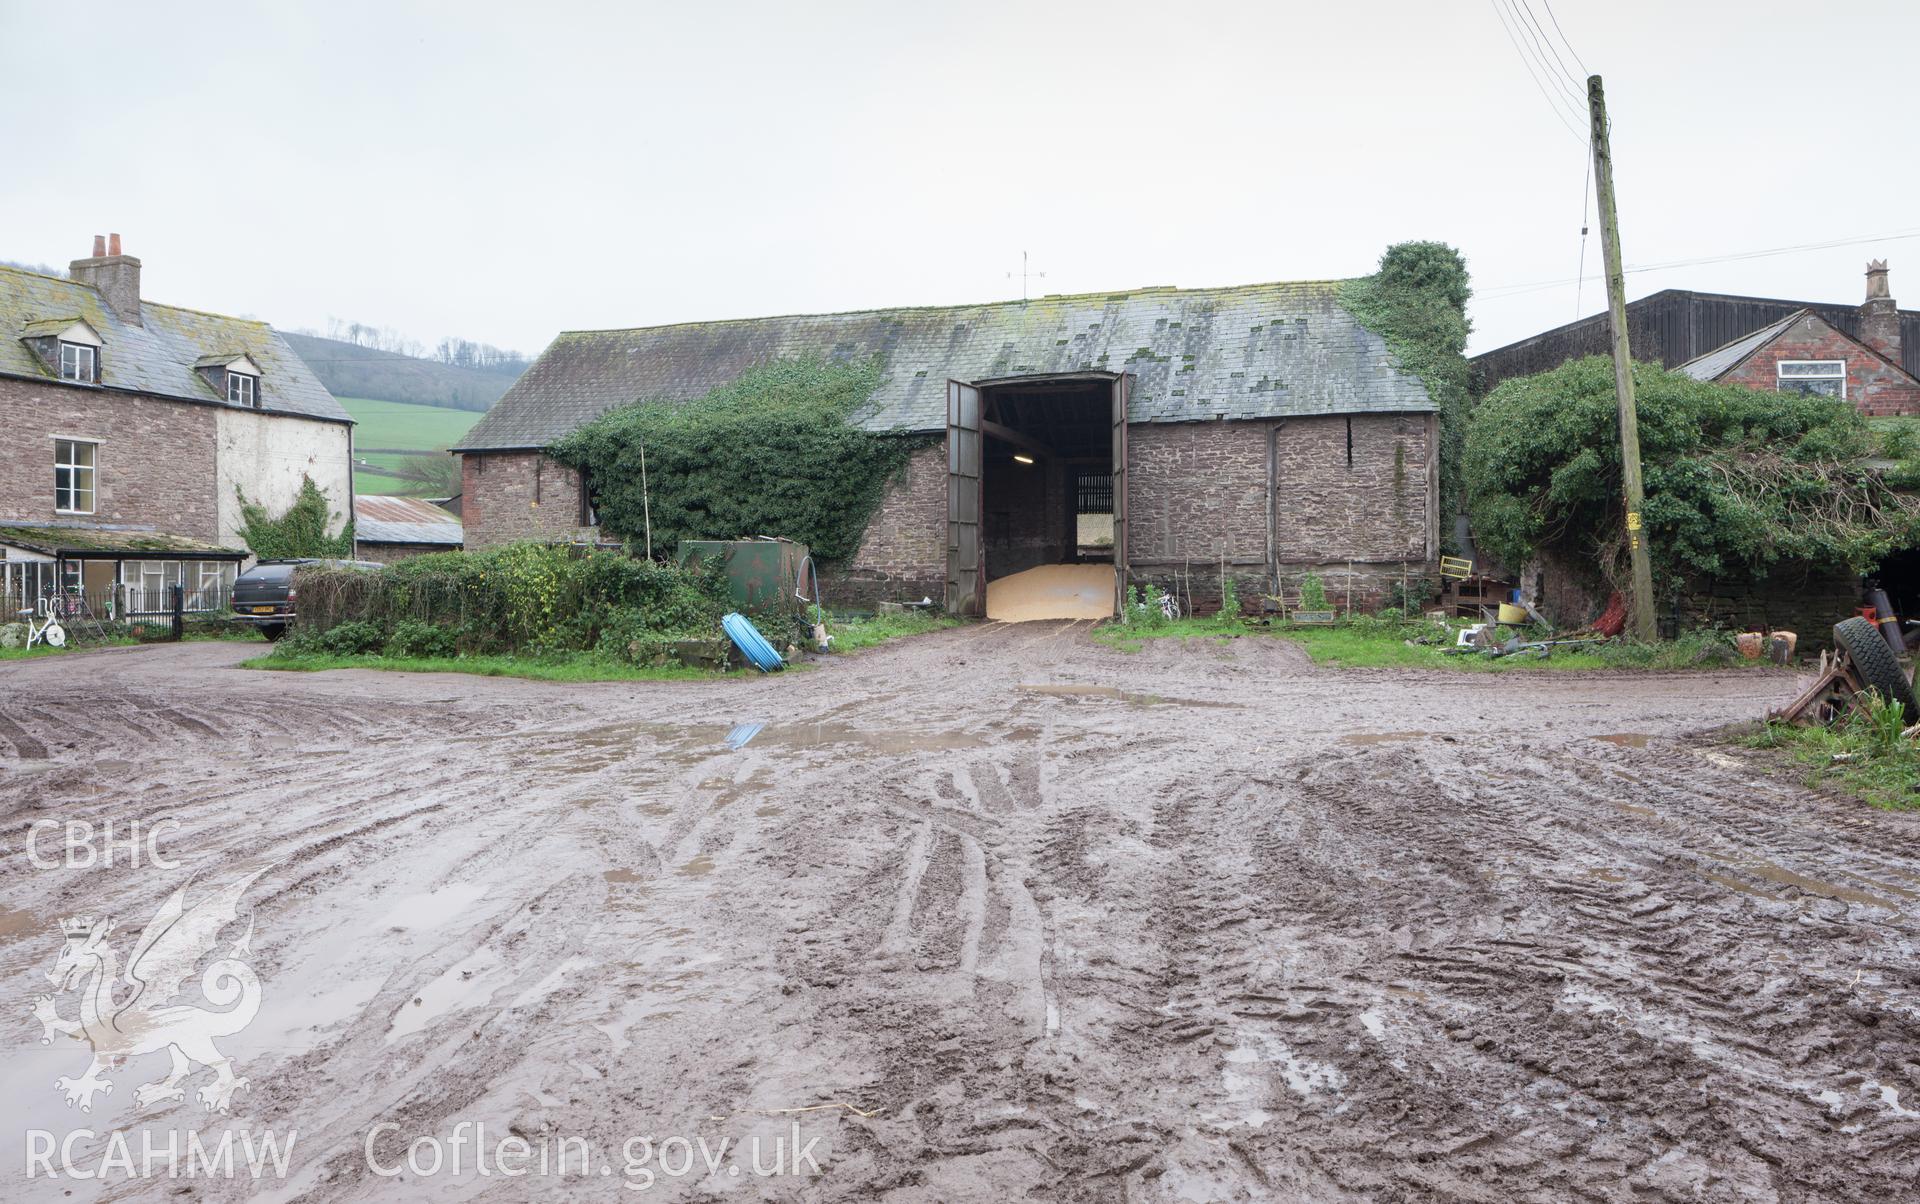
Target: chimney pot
<point>1879,317</point>
<point>99,246</point>
<point>113,244</point>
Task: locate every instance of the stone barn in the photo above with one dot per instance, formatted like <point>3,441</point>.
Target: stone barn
<point>1173,434</point>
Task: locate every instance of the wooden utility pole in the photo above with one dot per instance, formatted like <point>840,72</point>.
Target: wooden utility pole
<point>1640,600</point>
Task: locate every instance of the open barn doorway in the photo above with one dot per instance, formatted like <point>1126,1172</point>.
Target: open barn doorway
<point>1051,494</point>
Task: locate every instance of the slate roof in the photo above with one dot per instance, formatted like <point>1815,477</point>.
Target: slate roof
<point>157,357</point>
<point>1722,360</point>
<point>382,518</point>
<point>1255,351</point>
<point>104,541</point>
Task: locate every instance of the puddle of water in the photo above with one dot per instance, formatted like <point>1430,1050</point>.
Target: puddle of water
<point>433,908</point>
<point>742,734</point>
<point>1607,875</point>
<point>1734,884</point>
<point>1637,809</point>
<point>1381,737</point>
<point>1780,875</point>
<point>1626,739</point>
<point>702,864</point>
<point>1119,695</point>
<point>467,983</point>
<point>623,876</point>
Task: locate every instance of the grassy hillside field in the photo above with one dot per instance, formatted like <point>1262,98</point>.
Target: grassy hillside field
<point>388,429</point>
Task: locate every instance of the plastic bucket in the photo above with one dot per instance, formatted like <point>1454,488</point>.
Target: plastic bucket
<point>1511,614</point>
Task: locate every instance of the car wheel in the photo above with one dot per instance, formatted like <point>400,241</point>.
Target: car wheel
<point>1873,660</point>
<point>273,631</point>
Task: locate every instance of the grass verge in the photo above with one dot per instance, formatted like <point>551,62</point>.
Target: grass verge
<point>1861,755</point>
<point>1370,643</point>
<point>851,635</point>
<point>579,667</point>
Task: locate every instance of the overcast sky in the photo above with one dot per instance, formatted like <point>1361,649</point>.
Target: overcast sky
<point>505,171</point>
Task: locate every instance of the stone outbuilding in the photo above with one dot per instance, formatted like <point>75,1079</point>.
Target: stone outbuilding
<point>1170,432</point>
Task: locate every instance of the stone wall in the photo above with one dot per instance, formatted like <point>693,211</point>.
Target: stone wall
<point>155,462</point>
<point>511,496</point>
<point>1352,502</point>
<point>903,555</point>
<point>387,553</point>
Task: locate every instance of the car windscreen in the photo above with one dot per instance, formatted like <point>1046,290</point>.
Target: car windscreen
<point>269,572</point>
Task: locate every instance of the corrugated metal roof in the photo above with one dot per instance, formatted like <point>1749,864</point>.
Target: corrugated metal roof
<point>383,518</point>
<point>1256,351</point>
<point>1721,360</point>
<point>158,356</point>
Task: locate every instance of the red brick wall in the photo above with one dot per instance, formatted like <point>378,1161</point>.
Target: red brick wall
<point>510,496</point>
<point>1873,386</point>
<point>154,465</point>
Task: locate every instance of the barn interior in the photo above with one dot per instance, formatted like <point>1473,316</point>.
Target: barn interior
<point>1047,498</point>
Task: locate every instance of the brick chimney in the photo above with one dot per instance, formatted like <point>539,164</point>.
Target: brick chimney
<point>114,276</point>
<point>1879,318</point>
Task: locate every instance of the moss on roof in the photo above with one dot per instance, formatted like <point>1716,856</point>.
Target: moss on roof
<point>52,541</point>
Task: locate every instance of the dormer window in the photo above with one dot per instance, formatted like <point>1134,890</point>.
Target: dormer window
<point>232,375</point>
<point>79,362</point>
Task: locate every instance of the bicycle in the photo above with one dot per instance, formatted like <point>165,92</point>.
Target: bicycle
<point>50,632</point>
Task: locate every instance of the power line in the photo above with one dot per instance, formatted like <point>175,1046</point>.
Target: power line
<point>1515,290</point>
<point>1543,45</point>
<point>1558,112</point>
<point>1578,62</point>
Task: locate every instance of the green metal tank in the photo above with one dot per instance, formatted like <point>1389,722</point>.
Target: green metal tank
<point>763,575</point>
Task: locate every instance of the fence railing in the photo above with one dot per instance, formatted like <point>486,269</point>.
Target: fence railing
<point>120,602</point>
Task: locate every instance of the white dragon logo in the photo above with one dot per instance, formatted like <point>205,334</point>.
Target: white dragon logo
<point>147,1020</point>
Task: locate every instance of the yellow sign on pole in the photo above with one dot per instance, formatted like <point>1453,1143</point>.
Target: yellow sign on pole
<point>1455,568</point>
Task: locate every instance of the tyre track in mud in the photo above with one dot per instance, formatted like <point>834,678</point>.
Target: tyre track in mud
<point>1199,922</point>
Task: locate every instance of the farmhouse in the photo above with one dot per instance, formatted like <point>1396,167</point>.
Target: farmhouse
<point>1260,430</point>
<point>133,429</point>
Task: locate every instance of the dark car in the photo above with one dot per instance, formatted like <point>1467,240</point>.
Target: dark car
<point>264,595</point>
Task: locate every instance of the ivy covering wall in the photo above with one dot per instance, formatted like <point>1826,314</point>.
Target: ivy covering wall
<point>300,531</point>
<point>771,453</point>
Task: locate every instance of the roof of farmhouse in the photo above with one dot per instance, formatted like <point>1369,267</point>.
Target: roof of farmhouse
<point>160,355</point>
<point>1253,351</point>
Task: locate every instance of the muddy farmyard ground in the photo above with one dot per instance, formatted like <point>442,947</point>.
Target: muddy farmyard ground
<point>1015,916</point>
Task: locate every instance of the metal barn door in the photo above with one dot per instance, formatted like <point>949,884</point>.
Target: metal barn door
<point>1122,389</point>
<point>966,591</point>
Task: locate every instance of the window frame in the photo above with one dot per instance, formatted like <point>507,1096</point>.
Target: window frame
<point>1780,376</point>
<point>252,399</point>
<point>72,465</point>
<point>93,361</point>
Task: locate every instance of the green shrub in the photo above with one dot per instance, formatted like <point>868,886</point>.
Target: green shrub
<point>413,638</point>
<point>1229,601</point>
<point>352,638</point>
<point>1737,480</point>
<point>535,598</point>
<point>1412,595</point>
<point>1313,592</point>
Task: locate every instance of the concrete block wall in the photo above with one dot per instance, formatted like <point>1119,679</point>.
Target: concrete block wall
<point>155,463</point>
<point>510,496</point>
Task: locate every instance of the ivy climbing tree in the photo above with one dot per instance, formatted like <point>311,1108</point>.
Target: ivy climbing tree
<point>772,453</point>
<point>299,532</point>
